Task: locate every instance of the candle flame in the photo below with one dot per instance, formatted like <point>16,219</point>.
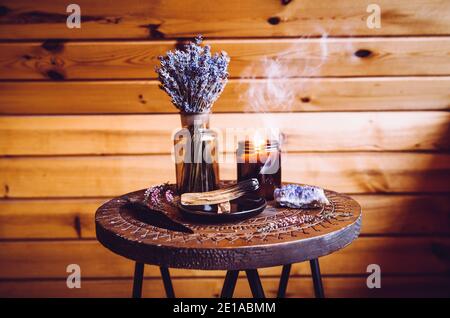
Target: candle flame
<point>258,142</point>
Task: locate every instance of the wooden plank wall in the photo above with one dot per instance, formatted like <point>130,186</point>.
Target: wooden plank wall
<point>82,120</point>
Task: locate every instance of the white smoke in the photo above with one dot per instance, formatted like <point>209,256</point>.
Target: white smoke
<point>280,81</point>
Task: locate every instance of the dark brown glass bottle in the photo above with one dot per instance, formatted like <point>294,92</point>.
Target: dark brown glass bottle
<point>196,155</point>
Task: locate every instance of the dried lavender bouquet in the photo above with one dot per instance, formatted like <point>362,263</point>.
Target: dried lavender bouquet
<point>194,79</point>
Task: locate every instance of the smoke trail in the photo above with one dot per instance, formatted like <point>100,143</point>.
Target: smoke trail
<point>283,81</point>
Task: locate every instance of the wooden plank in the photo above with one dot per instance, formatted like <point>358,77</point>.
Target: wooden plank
<point>301,287</point>
<point>320,94</point>
<point>226,18</point>
<point>114,175</point>
<point>73,218</point>
<point>44,219</point>
<point>144,134</point>
<point>249,58</point>
<point>395,255</point>
<point>405,214</point>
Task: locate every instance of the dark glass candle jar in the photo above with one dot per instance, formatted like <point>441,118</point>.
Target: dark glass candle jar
<point>261,161</point>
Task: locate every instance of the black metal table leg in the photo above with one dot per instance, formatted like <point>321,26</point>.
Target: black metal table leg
<point>165,274</point>
<point>255,283</point>
<point>317,278</point>
<point>137,280</point>
<point>229,284</point>
<point>284,279</point>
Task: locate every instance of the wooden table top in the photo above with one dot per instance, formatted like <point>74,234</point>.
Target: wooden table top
<point>277,236</point>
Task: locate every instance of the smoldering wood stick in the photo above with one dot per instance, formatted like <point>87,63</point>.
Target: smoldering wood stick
<point>222,195</point>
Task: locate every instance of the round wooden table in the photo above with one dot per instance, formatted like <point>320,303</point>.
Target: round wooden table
<point>277,236</point>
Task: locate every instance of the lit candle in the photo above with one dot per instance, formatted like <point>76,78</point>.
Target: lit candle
<point>260,159</point>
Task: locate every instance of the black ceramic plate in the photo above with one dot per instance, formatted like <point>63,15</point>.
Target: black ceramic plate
<point>242,208</point>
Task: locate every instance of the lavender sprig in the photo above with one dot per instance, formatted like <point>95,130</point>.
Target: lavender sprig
<point>158,195</point>
<point>193,78</point>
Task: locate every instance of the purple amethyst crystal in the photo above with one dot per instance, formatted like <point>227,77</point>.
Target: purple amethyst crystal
<point>297,196</point>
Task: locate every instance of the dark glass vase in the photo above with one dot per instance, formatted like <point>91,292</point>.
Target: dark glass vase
<point>196,154</point>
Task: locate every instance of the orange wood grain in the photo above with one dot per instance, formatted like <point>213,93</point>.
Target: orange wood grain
<point>395,255</point>
<point>152,134</point>
<point>135,19</point>
<point>87,176</point>
<point>249,58</point>
<point>301,287</point>
<point>320,94</point>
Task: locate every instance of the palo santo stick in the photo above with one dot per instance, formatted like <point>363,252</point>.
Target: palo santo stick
<point>224,207</point>
<point>221,195</point>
